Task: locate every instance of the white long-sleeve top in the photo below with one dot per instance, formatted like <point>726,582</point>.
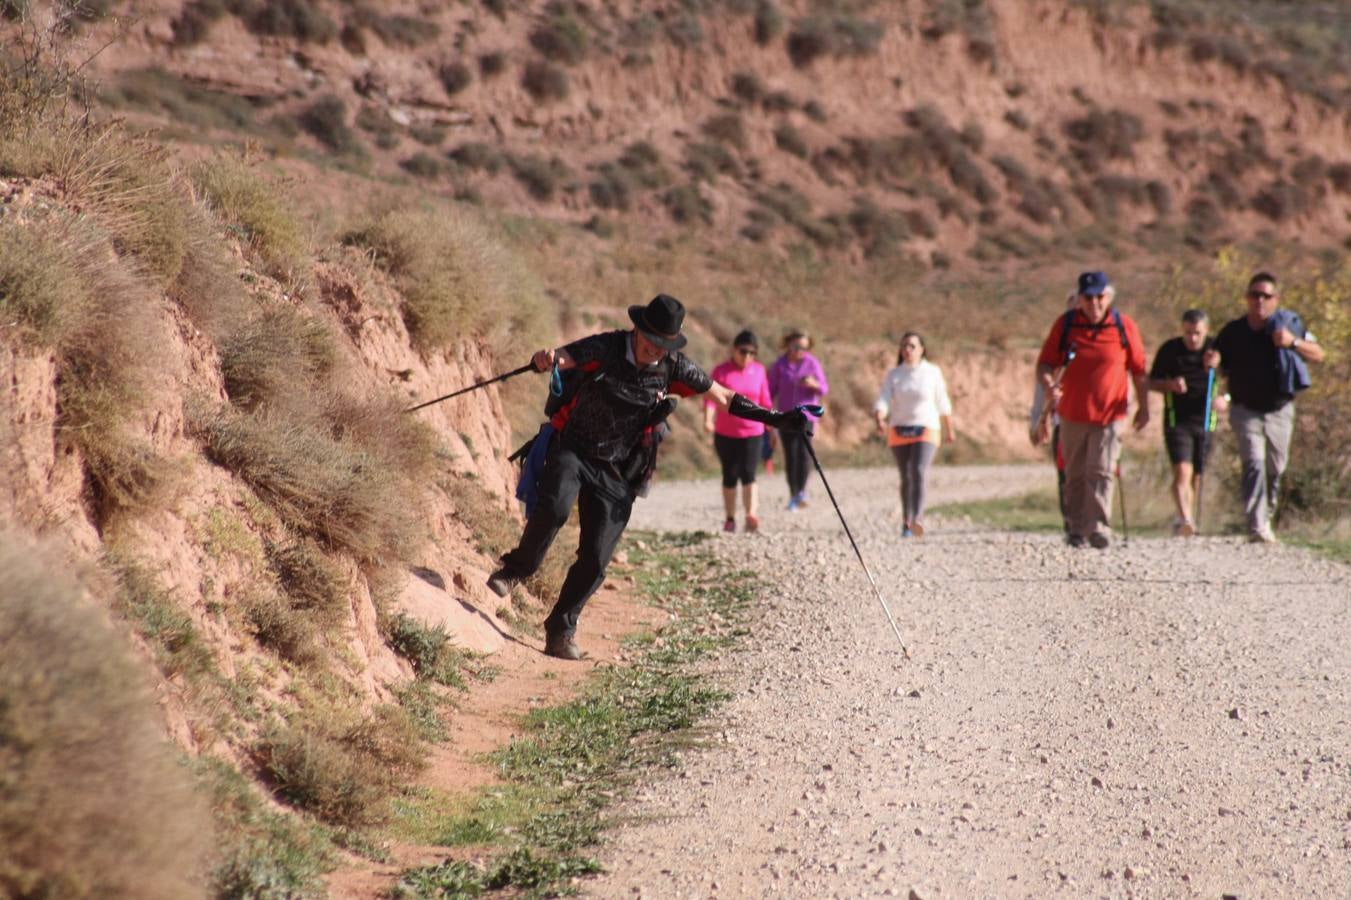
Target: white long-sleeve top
<point>914,396</point>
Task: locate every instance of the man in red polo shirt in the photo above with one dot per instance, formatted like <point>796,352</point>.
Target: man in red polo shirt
<point>1102,353</point>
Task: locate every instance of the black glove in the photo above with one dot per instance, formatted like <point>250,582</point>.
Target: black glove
<point>794,421</point>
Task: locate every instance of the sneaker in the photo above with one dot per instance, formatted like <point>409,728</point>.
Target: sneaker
<point>500,583</point>
<point>793,503</point>
<point>917,528</point>
<point>1099,540</point>
<point>1075,540</point>
<point>1185,528</point>
<point>906,531</point>
<point>802,500</point>
<point>1262,536</point>
<point>752,524</point>
<point>730,525</point>
<point>561,646</point>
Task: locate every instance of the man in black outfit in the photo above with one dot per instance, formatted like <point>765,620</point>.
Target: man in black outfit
<point>1182,373</point>
<point>1265,355</point>
<point>602,448</point>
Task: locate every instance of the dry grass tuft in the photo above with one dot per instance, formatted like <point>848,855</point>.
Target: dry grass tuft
<point>252,205</point>
<point>94,804</point>
<point>274,353</point>
<point>324,485</point>
<point>339,767</point>
<point>456,279</point>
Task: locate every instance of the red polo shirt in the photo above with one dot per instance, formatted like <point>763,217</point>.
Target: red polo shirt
<point>1097,383</point>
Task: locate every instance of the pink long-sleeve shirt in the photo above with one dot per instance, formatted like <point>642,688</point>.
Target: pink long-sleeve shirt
<point>750,382</point>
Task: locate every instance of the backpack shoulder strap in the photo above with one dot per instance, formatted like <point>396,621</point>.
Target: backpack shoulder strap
<point>1120,328</point>
<point>1066,322</point>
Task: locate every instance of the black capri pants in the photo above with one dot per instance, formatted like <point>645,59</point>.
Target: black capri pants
<point>739,458</point>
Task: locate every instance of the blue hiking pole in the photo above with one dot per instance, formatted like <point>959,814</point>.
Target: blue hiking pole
<point>1206,427</point>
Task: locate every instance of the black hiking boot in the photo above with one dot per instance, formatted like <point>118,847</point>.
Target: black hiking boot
<point>501,583</point>
<point>561,646</point>
<point>1099,540</point>
<point>1075,540</point>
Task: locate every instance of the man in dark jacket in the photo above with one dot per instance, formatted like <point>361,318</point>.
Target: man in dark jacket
<point>602,448</point>
<point>1254,351</point>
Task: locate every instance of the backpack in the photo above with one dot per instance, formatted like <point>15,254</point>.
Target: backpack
<point>1067,322</point>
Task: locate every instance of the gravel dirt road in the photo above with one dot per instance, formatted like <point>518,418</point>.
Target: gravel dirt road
<point>1168,718</point>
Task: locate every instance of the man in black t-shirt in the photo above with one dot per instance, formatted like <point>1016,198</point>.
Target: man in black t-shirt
<point>1264,355</point>
<point>602,446</point>
<point>1182,372</point>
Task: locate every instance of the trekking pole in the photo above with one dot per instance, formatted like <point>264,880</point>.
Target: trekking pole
<point>859,553</point>
<point>1205,438</point>
<point>528,367</point>
<point>1121,495</point>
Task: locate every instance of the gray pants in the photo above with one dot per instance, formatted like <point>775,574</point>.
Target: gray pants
<point>1264,447</point>
<point>1091,453</point>
<point>913,461</point>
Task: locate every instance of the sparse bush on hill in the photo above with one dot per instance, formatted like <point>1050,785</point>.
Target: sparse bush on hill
<point>613,187</point>
<point>728,128</point>
<point>492,64</point>
<point>769,23</point>
<point>455,77</point>
<point>195,21</point>
<point>1280,200</point>
<point>563,38</point>
<point>479,156</point>
<point>1104,134</point>
<point>643,161</point>
<point>263,359</point>
<point>837,36</point>
<point>540,176</point>
<point>1340,176</point>
<point>707,160</point>
<point>687,205</point>
<point>395,30</point>
<point>748,87</point>
<point>423,165</point>
<point>545,82</point>
<point>94,804</point>
<point>882,232</point>
<point>685,31</point>
<point>790,140</point>
<point>326,121</point>
<point>427,134</point>
<point>300,20</point>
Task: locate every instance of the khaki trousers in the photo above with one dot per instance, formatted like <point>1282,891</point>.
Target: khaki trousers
<point>1091,454</point>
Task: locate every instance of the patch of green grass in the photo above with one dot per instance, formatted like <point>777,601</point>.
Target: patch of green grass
<point>1037,511</point>
<point>573,759</point>
<point>431,652</point>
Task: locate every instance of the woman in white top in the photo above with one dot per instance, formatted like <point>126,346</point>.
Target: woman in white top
<point>910,409</point>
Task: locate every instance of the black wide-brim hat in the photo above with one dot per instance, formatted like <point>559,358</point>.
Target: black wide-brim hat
<point>660,321</point>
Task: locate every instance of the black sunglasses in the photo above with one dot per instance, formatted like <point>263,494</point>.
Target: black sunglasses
<point>749,351</point>
<point>1260,295</point>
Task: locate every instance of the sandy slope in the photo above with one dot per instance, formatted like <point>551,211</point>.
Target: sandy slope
<point>1162,719</point>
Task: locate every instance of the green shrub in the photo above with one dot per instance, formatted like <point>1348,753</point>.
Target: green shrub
<point>492,64</point>
<point>613,187</point>
<point>748,88</point>
<point>1112,133</point>
<point>563,38</point>
<point>423,165</point>
<point>709,159</point>
<point>687,205</point>
<point>479,156</point>
<point>769,23</point>
<point>298,19</point>
<point>94,804</point>
<point>431,651</point>
<point>326,121</point>
<point>290,633</point>
<point>1280,200</point>
<point>790,140</point>
<point>545,82</point>
<point>839,36</point>
<point>195,21</point>
<point>727,128</point>
<point>256,209</point>
<point>455,77</point>
<point>186,103</point>
<point>685,31</point>
<point>539,175</point>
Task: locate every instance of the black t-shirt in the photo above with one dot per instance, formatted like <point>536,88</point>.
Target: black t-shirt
<point>617,399</point>
<point>1248,359</point>
<point>1174,360</point>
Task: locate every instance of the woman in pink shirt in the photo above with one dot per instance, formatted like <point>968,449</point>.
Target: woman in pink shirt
<point>738,441</point>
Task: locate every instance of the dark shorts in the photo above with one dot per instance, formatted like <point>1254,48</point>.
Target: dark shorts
<point>1188,442</point>
<point>739,458</point>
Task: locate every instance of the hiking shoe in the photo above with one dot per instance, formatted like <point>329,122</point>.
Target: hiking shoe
<point>906,531</point>
<point>500,583</point>
<point>730,525</point>
<point>561,646</point>
<point>1186,528</point>
<point>1099,540</point>
<point>1075,540</point>
<point>1262,536</point>
<point>752,524</point>
<point>917,529</point>
<point>794,503</point>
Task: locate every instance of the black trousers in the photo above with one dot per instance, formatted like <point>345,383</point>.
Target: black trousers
<point>740,457</point>
<point>796,462</point>
<point>604,501</point>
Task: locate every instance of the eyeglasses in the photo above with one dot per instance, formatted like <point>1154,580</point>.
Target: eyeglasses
<point>1261,295</point>
<point>748,351</point>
